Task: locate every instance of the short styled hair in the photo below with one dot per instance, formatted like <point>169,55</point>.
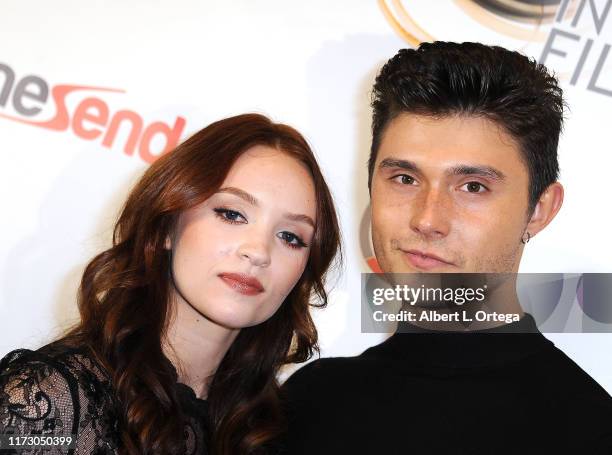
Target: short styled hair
<point>443,78</point>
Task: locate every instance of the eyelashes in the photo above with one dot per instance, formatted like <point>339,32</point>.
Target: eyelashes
<point>405,179</point>
<point>477,186</point>
<point>290,239</point>
<point>228,215</point>
<point>473,187</point>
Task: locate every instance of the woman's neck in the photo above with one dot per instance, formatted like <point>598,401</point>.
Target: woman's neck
<point>195,345</point>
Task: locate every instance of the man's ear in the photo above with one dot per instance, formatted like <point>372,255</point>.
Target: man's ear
<point>546,208</point>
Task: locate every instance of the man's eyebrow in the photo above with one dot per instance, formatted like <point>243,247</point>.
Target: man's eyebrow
<point>402,164</point>
<point>462,169</point>
<point>240,193</point>
<point>482,171</point>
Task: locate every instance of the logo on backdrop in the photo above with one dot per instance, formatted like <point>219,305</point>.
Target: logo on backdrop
<point>365,233</point>
<point>91,119</point>
<point>570,30</point>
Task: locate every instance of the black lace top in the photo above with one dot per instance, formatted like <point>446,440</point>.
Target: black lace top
<point>60,391</point>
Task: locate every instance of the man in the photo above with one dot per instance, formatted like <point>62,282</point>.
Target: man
<point>462,174</point>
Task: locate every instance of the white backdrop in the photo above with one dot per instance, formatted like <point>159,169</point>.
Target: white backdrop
<point>310,64</point>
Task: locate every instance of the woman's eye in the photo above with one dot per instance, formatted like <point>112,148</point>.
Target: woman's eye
<point>474,187</point>
<point>291,239</point>
<point>404,179</point>
<point>230,216</point>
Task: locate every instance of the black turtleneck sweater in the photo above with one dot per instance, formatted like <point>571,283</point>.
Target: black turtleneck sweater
<point>424,392</point>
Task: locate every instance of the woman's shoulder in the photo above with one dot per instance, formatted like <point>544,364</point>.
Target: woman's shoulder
<point>57,365</point>
<point>57,390</point>
<point>55,355</point>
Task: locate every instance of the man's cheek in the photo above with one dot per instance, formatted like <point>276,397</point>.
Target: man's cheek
<point>394,220</point>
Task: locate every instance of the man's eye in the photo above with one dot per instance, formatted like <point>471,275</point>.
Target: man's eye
<point>404,179</point>
<point>475,187</point>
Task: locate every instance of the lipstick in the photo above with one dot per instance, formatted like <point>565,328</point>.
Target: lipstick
<point>242,283</point>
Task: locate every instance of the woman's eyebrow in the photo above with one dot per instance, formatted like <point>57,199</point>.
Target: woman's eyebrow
<point>298,217</point>
<point>241,194</point>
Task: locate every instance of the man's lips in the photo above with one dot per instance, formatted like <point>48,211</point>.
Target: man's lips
<point>424,260</point>
<point>240,282</point>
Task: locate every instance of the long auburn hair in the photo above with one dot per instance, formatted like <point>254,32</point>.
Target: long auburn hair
<point>124,300</point>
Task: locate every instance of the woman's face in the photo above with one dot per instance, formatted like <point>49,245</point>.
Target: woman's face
<point>237,255</point>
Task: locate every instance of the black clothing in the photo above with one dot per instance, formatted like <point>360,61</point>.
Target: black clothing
<point>450,393</point>
<point>57,390</point>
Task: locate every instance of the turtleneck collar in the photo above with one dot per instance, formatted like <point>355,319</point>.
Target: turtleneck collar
<point>414,346</point>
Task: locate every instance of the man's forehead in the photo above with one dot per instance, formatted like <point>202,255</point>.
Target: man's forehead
<point>447,143</point>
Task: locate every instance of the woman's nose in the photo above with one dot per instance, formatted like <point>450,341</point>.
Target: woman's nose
<point>255,248</point>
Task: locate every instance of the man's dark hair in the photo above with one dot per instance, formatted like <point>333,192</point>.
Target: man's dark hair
<point>442,78</point>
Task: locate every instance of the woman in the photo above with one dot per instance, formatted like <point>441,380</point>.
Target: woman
<point>187,318</point>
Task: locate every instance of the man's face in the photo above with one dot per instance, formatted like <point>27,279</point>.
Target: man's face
<point>448,194</point>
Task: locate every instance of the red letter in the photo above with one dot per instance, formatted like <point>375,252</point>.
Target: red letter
<point>172,138</point>
<point>97,115</point>
<point>136,120</point>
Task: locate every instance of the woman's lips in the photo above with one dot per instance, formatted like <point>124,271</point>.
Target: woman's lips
<point>244,284</point>
<point>424,261</point>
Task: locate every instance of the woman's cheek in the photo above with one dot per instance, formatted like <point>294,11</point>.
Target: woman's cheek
<point>297,267</point>
<point>217,240</point>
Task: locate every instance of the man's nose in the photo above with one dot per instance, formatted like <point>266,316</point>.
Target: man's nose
<point>431,213</point>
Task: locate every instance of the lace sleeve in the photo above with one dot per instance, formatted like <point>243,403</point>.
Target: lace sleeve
<point>42,396</point>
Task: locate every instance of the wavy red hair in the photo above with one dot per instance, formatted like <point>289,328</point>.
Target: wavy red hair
<point>124,299</point>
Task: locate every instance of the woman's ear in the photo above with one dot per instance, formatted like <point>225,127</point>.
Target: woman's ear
<point>168,243</point>
<point>546,209</point>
